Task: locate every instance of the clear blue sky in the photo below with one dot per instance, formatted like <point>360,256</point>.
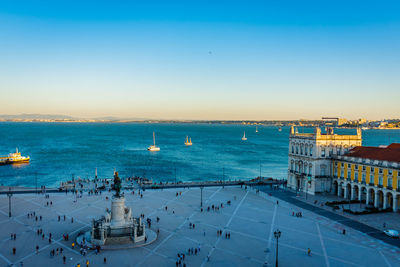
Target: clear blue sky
<point>201,59</point>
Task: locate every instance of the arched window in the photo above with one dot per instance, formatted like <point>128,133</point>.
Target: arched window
<point>310,169</point>
<point>291,165</point>
<point>301,149</point>
<point>311,150</point>
<point>306,150</point>
<point>292,149</point>
<point>297,149</point>
<point>323,170</point>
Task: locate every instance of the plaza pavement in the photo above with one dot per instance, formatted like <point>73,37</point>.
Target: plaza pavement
<point>376,220</point>
<point>250,219</point>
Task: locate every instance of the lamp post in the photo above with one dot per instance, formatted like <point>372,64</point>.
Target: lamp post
<point>277,235</point>
<point>307,188</point>
<point>175,174</point>
<point>9,194</point>
<point>36,182</point>
<point>201,196</point>
<point>223,177</point>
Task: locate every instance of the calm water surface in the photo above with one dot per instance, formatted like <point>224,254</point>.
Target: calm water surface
<point>60,150</point>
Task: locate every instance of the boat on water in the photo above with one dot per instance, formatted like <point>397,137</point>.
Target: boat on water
<point>244,138</point>
<point>364,128</point>
<point>14,158</point>
<point>188,141</point>
<point>153,147</point>
<point>256,129</point>
<point>280,129</point>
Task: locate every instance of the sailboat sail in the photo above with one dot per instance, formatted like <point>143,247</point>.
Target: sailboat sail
<point>153,147</point>
<point>244,138</point>
<point>188,143</point>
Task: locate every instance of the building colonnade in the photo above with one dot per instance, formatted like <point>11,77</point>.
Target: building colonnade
<point>372,195</point>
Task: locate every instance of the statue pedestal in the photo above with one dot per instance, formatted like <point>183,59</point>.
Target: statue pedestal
<point>118,227</point>
<point>117,212</point>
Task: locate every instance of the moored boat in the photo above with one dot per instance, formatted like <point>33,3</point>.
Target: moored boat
<point>153,147</point>
<point>14,158</point>
<point>188,141</point>
<point>244,138</point>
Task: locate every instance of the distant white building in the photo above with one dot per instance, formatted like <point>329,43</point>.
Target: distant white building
<point>310,158</point>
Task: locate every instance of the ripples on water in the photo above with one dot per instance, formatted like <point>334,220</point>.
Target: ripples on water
<point>60,150</point>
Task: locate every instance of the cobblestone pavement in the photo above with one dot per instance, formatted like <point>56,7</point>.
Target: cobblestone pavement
<point>391,219</point>
<point>251,220</point>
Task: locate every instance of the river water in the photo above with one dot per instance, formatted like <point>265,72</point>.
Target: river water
<point>59,151</point>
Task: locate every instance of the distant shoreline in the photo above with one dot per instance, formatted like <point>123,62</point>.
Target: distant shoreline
<point>227,122</point>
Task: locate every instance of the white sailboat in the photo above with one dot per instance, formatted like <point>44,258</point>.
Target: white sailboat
<point>244,138</point>
<point>188,141</point>
<point>256,129</point>
<point>153,147</point>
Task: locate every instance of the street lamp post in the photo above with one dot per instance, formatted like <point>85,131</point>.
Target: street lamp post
<point>277,235</point>
<point>175,175</point>
<point>36,182</point>
<point>223,177</point>
<point>201,196</point>
<point>9,194</point>
<point>306,189</point>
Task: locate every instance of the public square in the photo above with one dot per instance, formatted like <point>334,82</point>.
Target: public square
<point>250,219</point>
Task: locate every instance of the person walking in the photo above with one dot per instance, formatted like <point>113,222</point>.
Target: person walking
<point>309,252</point>
<point>87,263</point>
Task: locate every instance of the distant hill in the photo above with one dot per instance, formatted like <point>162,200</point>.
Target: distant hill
<point>36,117</point>
<point>53,117</point>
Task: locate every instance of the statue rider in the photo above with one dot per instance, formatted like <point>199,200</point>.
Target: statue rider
<point>117,184</point>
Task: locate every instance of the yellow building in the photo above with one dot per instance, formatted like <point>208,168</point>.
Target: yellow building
<point>370,174</point>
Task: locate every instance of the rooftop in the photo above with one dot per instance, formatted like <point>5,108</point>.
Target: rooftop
<point>329,135</point>
<point>390,153</point>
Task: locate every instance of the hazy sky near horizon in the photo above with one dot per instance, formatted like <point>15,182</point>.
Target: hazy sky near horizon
<point>201,59</point>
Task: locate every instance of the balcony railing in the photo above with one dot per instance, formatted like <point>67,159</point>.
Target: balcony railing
<point>322,176</point>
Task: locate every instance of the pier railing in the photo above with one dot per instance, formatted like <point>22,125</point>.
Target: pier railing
<point>212,183</point>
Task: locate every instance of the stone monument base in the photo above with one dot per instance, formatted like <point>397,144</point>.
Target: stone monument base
<point>116,242</point>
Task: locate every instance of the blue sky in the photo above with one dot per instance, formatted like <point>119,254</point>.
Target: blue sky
<point>201,59</point>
